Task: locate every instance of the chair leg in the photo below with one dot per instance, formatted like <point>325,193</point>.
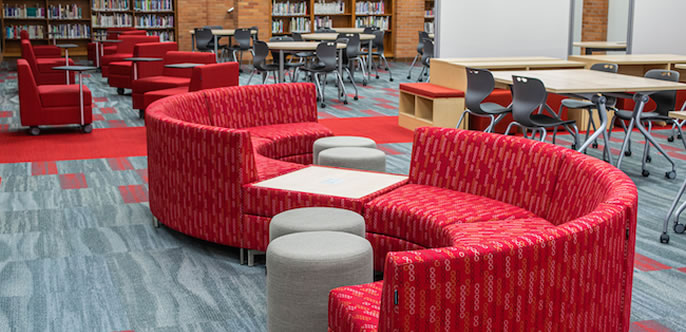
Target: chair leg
<point>251,75</point>
<point>513,123</point>
<point>388,68</point>
<point>544,133</point>
<point>409,72</point>
<point>626,132</point>
<point>357,96</point>
<point>264,77</point>
<point>362,65</point>
<point>459,122</point>
<point>421,74</point>
<point>342,91</point>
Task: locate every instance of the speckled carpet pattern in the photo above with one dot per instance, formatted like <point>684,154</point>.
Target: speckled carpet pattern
<point>78,251</point>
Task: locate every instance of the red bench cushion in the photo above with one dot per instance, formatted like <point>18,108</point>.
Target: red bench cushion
<point>122,68</point>
<point>159,83</point>
<point>431,90</point>
<point>419,213</point>
<point>290,139</point>
<point>153,96</point>
<point>478,233</point>
<point>63,95</point>
<point>355,308</point>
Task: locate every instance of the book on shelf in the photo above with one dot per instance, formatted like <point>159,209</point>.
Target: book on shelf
<point>70,12</point>
<point>153,5</point>
<point>370,7</point>
<point>35,31</point>
<point>324,8</point>
<point>165,36</point>
<point>112,20</point>
<point>71,31</point>
<point>23,11</point>
<point>429,13</point>
<point>323,22</point>
<point>110,5</point>
<point>154,21</point>
<point>289,8</point>
<point>381,22</point>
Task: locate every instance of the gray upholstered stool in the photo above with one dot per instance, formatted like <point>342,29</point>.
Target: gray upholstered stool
<point>316,219</point>
<point>366,159</point>
<point>304,268</point>
<point>339,142</point>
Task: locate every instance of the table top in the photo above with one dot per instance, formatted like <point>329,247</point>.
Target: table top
<point>333,36</point>
<point>349,30</point>
<point>109,40</point>
<point>223,32</point>
<point>298,46</point>
<point>631,59</point>
<point>589,81</point>
<point>610,45</point>
<point>142,59</point>
<point>67,45</point>
<point>75,68</point>
<point>184,65</point>
<point>332,181</point>
<point>680,66</point>
<point>681,115</point>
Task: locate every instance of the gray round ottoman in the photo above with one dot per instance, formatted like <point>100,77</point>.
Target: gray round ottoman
<point>339,142</point>
<point>304,268</point>
<point>366,159</point>
<point>313,219</point>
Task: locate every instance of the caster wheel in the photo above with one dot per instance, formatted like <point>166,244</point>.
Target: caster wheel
<point>364,83</point>
<point>87,129</point>
<point>670,139</point>
<point>419,80</point>
<point>34,131</point>
<point>345,102</point>
<point>627,153</point>
<point>671,175</point>
<point>595,145</point>
<point>323,105</point>
<point>409,77</point>
<point>120,91</point>
<point>573,147</point>
<point>377,77</point>
<point>141,114</point>
<point>357,98</point>
<point>391,80</point>
<point>679,228</point>
<point>645,173</point>
<point>664,238</point>
<point>649,159</point>
<point>678,136</point>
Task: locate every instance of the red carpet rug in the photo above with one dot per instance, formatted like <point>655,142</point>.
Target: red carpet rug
<point>382,129</point>
<point>70,144</point>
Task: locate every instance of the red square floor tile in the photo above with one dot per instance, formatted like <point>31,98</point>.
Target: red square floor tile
<point>43,168</point>
<point>134,193</point>
<point>73,181</point>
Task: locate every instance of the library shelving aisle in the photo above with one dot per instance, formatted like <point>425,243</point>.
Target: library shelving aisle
<point>157,17</point>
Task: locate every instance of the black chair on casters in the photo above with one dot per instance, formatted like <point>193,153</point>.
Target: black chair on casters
<point>347,63</point>
<point>243,38</point>
<point>324,30</point>
<point>204,40</point>
<point>529,95</point>
<point>427,54</point>
<point>378,45</point>
<point>260,63</point>
<point>326,63</point>
<point>353,52</point>
<point>665,101</point>
<point>480,84</point>
<point>423,35</point>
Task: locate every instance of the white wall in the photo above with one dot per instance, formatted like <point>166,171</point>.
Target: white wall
<point>479,28</point>
<point>617,20</point>
<point>578,17</point>
<point>659,27</point>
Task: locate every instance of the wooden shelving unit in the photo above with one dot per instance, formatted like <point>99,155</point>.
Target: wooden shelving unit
<point>309,15</point>
<point>429,15</point>
<point>78,29</point>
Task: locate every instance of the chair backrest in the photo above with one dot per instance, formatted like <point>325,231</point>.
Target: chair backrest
<point>243,38</point>
<point>480,84</point>
<point>218,75</point>
<point>324,30</point>
<point>129,42</point>
<point>133,33</point>
<point>528,94</point>
<point>28,55</point>
<point>255,36</point>
<point>665,100</point>
<point>24,35</point>
<point>203,38</point>
<point>369,29</point>
<point>152,50</point>
<point>326,53</point>
<point>218,27</point>
<point>606,67</point>
<point>428,52</point>
<point>423,35</point>
<point>185,57</point>
<point>378,40</point>
<point>113,33</point>
<point>353,44</point>
<point>29,99</point>
<point>261,50</point>
<point>297,36</point>
<point>281,39</point>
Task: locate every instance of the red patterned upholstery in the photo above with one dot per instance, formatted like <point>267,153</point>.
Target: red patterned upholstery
<point>124,50</point>
<point>570,271</point>
<point>50,104</point>
<point>170,77</point>
<point>42,51</point>
<point>42,67</point>
<point>121,72</point>
<point>431,90</point>
<point>282,135</point>
<point>355,308</point>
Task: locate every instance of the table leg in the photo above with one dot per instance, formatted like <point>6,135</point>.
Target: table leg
<point>216,48</point>
<point>370,58</point>
<point>81,96</point>
<point>66,56</point>
<point>340,70</point>
<point>600,101</point>
<point>193,42</point>
<point>97,54</point>
<point>281,66</point>
<point>135,70</point>
<point>638,109</point>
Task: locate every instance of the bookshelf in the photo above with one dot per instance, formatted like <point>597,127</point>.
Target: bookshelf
<point>157,17</point>
<point>429,15</point>
<point>305,16</point>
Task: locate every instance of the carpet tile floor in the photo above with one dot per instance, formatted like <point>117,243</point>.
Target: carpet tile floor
<point>78,251</point>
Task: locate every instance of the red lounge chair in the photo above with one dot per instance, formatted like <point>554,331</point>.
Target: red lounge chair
<point>42,51</point>
<point>121,72</point>
<point>42,68</point>
<point>124,50</point>
<point>112,34</point>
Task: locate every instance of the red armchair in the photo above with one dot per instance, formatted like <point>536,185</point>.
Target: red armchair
<point>171,77</point>
<point>121,72</point>
<point>563,259</point>
<point>124,50</point>
<point>50,104</point>
<point>42,51</point>
<point>112,34</point>
<point>205,77</point>
<point>42,67</point>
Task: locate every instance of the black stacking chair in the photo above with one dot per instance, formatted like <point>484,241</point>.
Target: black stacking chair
<point>204,40</point>
<point>666,101</point>
<point>256,35</point>
<point>326,63</point>
<point>480,84</point>
<point>347,64</point>
<point>288,65</point>
<point>528,96</point>
<point>379,47</point>
<point>221,47</point>
<point>423,35</point>
<point>353,54</point>
<point>243,39</point>
<point>370,29</point>
<point>427,54</point>
<point>303,56</point>
<point>260,65</point>
<point>325,30</point>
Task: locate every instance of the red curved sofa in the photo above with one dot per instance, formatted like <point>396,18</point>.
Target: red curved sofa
<point>489,232</point>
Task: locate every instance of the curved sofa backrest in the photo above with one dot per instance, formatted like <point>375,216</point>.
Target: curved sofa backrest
<point>261,105</point>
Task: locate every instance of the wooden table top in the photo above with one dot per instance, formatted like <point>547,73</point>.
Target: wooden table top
<point>610,45</point>
<point>681,115</point>
<point>298,46</point>
<point>333,36</point>
<point>589,81</point>
<point>349,30</point>
<point>333,182</point>
<point>680,66</point>
<point>631,59</point>
<point>223,32</point>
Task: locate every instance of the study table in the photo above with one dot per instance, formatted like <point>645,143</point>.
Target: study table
<point>217,33</point>
<point>283,47</point>
<point>634,64</point>
<point>589,84</point>
<point>334,36</point>
<point>588,47</point>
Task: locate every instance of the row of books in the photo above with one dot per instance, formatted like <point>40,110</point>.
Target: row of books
<point>323,22</point>
<point>321,7</point>
<point>297,24</point>
<point>369,7</point>
<point>23,11</point>
<point>165,36</point>
<point>429,13</point>
<point>64,11</point>
<point>154,21</point>
<point>289,8</point>
<point>150,5</point>
<point>381,22</point>
<point>110,4</point>
<point>35,31</point>
<point>112,20</point>
<point>71,31</point>
<point>429,27</point>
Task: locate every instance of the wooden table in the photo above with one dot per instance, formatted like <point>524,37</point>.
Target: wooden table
<point>333,36</point>
<point>348,30</point>
<point>333,182</point>
<point>588,84</point>
<point>283,47</point>
<point>217,33</point>
<point>635,64</point>
<point>588,47</point>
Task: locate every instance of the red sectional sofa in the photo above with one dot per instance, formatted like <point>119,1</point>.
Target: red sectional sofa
<point>489,233</point>
<point>120,74</point>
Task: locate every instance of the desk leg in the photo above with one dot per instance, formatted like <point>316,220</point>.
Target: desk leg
<point>370,58</point>
<point>216,49</point>
<point>135,70</point>
<point>97,54</point>
<point>81,96</point>
<point>281,66</point>
<point>193,42</point>
<point>651,139</point>
<point>66,56</point>
<point>600,101</point>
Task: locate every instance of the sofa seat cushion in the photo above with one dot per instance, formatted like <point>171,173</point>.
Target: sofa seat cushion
<point>107,50</point>
<point>290,138</point>
<point>121,68</point>
<point>153,83</point>
<point>431,90</point>
<point>476,233</point>
<point>268,168</point>
<point>63,95</point>
<point>355,308</point>
<point>419,213</point>
<point>46,64</point>
<point>153,96</point>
